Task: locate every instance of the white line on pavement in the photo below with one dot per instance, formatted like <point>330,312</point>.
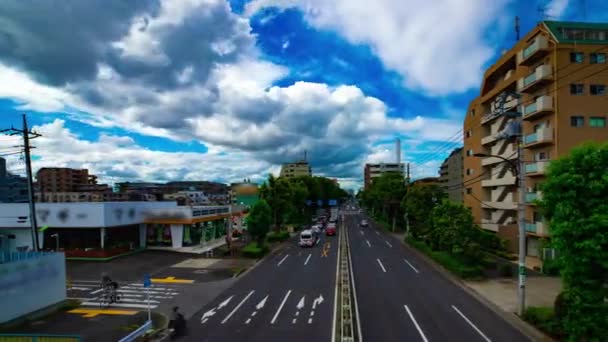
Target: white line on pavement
<point>412,266</point>
<point>122,305</point>
<point>276,315</point>
<point>352,274</point>
<point>306,262</point>
<point>237,307</point>
<point>310,321</point>
<point>248,320</point>
<point>280,262</point>
<point>382,266</point>
<point>416,324</point>
<point>96,291</point>
<point>80,288</point>
<point>293,321</point>
<point>377,232</point>
<point>368,244</point>
<point>471,324</point>
<point>335,321</point>
<point>388,243</point>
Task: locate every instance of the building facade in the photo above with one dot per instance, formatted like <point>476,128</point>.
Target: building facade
<point>557,77</point>
<point>62,179</point>
<point>450,175</point>
<point>13,188</point>
<point>427,181</point>
<point>297,169</point>
<point>372,171</point>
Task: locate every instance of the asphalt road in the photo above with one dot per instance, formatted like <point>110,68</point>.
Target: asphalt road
<point>402,298</point>
<point>274,301</point>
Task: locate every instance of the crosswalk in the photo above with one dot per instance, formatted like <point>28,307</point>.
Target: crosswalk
<point>132,295</point>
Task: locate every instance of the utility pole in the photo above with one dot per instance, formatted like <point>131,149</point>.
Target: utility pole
<point>26,133</point>
<point>406,216</point>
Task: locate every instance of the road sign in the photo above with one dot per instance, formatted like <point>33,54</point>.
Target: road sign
<point>333,202</point>
<point>320,202</point>
<point>308,202</point>
<point>147,281</point>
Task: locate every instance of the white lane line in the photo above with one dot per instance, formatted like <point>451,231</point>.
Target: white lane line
<point>388,243</point>
<point>248,320</point>
<point>308,258</point>
<point>471,324</point>
<point>237,307</point>
<point>280,262</point>
<point>361,232</point>
<point>310,321</point>
<point>382,266</point>
<point>352,274</point>
<point>96,291</point>
<point>368,244</point>
<point>80,288</point>
<point>416,324</point>
<point>377,232</point>
<point>122,305</point>
<point>276,315</point>
<point>412,266</point>
<point>293,321</point>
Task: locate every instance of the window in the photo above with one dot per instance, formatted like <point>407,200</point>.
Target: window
<point>470,172</point>
<point>577,57</point>
<point>542,156</point>
<point>597,58</point>
<point>577,89</point>
<point>597,121</point>
<point>597,89</point>
<point>469,190</point>
<point>469,133</point>
<point>469,153</point>
<point>577,121</point>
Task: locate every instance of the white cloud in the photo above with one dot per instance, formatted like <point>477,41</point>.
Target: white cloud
<point>556,8</point>
<point>437,46</point>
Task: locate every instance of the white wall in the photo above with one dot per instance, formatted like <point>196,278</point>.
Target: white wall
<point>31,284</point>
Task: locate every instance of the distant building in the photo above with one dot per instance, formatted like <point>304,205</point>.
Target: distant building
<point>63,179</point>
<point>13,188</point>
<point>372,171</point>
<point>427,181</point>
<point>188,197</point>
<point>450,175</point>
<point>299,168</point>
<point>244,193</point>
<point>211,189</point>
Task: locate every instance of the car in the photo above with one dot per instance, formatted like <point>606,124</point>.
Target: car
<point>307,238</point>
<point>316,229</point>
<point>364,223</point>
<point>331,230</point>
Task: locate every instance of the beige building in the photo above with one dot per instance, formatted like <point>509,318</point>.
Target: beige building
<point>371,171</point>
<point>300,168</point>
<point>450,175</point>
<point>559,72</point>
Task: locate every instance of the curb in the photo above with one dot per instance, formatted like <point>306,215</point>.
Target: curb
<point>530,331</point>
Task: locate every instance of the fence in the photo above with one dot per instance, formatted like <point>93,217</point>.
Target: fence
<point>548,254</point>
<point>38,338</point>
<point>6,257</point>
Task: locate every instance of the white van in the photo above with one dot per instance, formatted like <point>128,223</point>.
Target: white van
<point>307,238</point>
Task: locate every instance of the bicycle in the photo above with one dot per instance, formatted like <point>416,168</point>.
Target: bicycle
<point>109,296</point>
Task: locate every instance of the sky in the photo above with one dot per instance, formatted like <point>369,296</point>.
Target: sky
<point>225,90</point>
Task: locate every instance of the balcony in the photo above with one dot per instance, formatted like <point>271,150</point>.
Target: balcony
<point>543,105</point>
<point>541,137</point>
<point>505,205</point>
<point>540,77</point>
<point>508,154</point>
<point>532,197</point>
<point>489,139</point>
<point>489,225</point>
<point>534,51</point>
<point>535,168</point>
<point>508,179</point>
<point>537,228</point>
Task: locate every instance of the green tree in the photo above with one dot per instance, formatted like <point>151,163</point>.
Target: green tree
<point>452,229</point>
<point>575,201</point>
<point>277,193</point>
<point>418,203</point>
<point>259,220</point>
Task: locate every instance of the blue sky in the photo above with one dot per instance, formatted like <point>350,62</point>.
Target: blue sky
<point>232,91</point>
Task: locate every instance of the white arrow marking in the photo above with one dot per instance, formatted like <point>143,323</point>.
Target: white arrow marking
<point>261,303</point>
<point>317,301</point>
<point>225,302</point>
<point>207,314</point>
<point>300,303</point>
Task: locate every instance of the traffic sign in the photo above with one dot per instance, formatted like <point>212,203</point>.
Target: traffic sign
<point>320,202</point>
<point>333,202</point>
<point>147,280</point>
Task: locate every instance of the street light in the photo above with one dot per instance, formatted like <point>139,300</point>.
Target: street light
<point>56,236</point>
<point>517,169</point>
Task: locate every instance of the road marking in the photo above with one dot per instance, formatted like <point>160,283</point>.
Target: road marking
<point>382,266</point>
<point>171,280</point>
<point>368,244</point>
<point>377,232</point>
<point>276,315</point>
<point>388,243</point>
<point>471,324</point>
<point>324,253</point>
<point>89,313</point>
<point>280,262</point>
<point>306,262</point>
<point>352,273</point>
<point>80,288</point>
<point>334,320</point>
<point>121,305</point>
<point>96,291</point>
<point>312,313</point>
<point>416,324</point>
<point>310,321</point>
<point>412,266</point>
<point>237,307</point>
<point>248,320</point>
<point>361,232</point>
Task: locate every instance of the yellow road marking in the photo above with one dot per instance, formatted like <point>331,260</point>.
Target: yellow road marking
<point>324,253</point>
<point>94,312</point>
<point>171,280</point>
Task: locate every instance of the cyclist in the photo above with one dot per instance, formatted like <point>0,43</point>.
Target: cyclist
<point>109,286</point>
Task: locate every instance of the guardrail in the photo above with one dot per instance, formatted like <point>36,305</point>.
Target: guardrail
<point>137,332</point>
<point>38,338</point>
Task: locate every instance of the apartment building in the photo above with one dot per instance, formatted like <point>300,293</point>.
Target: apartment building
<point>557,75</point>
<point>450,175</point>
<point>371,171</point>
<point>299,168</point>
<point>13,188</point>
<point>62,179</point>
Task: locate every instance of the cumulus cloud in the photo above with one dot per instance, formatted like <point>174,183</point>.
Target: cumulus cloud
<point>437,46</point>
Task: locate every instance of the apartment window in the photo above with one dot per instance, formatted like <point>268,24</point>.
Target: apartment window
<point>469,190</point>
<point>469,153</point>
<point>470,172</point>
<point>597,121</point>
<point>597,58</point>
<point>577,89</point>
<point>577,57</point>
<point>577,121</point>
<point>597,89</point>
<point>542,156</point>
<point>469,133</point>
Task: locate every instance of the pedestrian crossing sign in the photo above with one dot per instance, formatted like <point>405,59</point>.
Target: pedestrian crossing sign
<point>147,280</point>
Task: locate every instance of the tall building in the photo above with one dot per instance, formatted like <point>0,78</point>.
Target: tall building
<point>61,179</point>
<point>13,188</point>
<point>559,72</point>
<point>372,171</point>
<point>450,175</point>
<point>299,168</point>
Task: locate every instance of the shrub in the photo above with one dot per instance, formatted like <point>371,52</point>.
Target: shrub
<point>505,270</point>
<point>543,318</point>
<point>551,267</point>
<point>277,236</point>
<point>452,263</point>
<point>505,255</point>
<point>253,250</point>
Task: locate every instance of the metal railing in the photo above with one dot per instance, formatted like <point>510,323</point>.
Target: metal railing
<point>6,257</point>
<point>38,338</point>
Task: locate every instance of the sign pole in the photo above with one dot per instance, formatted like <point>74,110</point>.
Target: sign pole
<point>148,298</point>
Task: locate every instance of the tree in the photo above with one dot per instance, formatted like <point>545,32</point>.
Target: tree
<point>277,193</point>
<point>418,203</point>
<point>575,202</point>
<point>452,229</point>
<point>259,220</point>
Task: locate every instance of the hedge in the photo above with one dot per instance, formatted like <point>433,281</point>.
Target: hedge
<point>252,250</point>
<point>450,262</point>
<point>277,236</point>
<point>544,319</point>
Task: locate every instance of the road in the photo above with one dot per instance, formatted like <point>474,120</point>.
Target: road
<point>274,301</point>
<point>402,298</point>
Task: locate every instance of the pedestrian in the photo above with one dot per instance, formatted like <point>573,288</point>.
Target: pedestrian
<point>177,323</point>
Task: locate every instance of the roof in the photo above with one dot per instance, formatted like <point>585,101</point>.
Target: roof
<point>556,29</point>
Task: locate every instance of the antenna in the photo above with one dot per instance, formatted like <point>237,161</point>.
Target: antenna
<point>516,28</point>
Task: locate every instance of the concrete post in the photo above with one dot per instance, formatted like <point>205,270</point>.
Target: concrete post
<point>102,237</point>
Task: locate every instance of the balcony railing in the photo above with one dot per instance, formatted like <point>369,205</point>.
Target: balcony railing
<point>530,138</point>
<point>530,109</point>
<point>531,197</point>
<point>530,227</point>
<point>529,79</point>
<point>531,168</point>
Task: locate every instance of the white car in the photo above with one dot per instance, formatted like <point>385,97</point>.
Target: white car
<point>316,229</point>
<point>307,238</point>
<point>364,223</point>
